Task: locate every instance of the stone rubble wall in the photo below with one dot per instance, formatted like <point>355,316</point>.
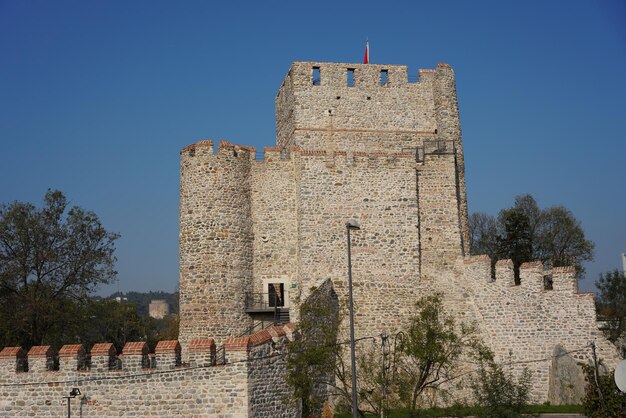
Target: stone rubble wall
<point>250,384</point>
<point>526,322</point>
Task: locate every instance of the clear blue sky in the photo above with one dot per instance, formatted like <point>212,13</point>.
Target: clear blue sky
<point>98,97</point>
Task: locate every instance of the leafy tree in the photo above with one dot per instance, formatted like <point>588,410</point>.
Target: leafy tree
<point>526,232</point>
<point>313,356</point>
<point>114,322</point>
<point>602,400</point>
<point>497,392</point>
<point>611,303</point>
<point>516,242</point>
<point>51,259</point>
<point>429,351</point>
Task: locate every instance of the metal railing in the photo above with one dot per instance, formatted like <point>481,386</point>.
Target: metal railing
<point>263,301</point>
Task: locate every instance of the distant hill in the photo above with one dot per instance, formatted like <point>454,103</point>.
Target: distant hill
<point>143,299</point>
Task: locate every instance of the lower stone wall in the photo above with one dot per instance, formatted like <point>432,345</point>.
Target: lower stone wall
<point>219,391</point>
<point>251,383</point>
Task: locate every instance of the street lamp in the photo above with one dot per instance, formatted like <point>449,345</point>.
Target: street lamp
<point>352,225</point>
<point>73,393</point>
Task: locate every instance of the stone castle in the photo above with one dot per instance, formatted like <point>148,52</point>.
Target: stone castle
<point>259,232</point>
<point>364,142</point>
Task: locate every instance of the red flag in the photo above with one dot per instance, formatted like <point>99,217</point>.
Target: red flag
<point>366,58</point>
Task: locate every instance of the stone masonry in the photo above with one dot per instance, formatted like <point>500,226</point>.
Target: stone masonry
<point>361,142</point>
<point>249,383</point>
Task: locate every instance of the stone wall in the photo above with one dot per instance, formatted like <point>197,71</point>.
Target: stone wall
<point>250,384</point>
<point>524,324</point>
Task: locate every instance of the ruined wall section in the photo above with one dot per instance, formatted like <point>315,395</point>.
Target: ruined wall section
<point>215,240</point>
<point>367,116</point>
<point>528,320</point>
<point>379,190</point>
<point>269,395</point>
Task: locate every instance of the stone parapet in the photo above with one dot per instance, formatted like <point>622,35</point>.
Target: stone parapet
<point>135,356</point>
<point>12,359</point>
<point>103,357</point>
<point>40,358</point>
<point>223,390</point>
<point>71,358</point>
<point>202,352</point>
<point>167,354</point>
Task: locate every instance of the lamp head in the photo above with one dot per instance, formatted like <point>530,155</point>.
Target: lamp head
<point>353,224</point>
<point>75,392</point>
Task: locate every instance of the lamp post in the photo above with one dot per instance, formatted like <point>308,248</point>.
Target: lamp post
<point>73,393</point>
<point>352,225</point>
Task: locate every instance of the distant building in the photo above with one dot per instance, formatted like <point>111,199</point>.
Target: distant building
<point>159,308</point>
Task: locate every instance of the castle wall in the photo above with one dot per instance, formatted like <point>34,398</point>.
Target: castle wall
<point>523,324</point>
<point>251,384</point>
<point>449,129</point>
<point>215,240</point>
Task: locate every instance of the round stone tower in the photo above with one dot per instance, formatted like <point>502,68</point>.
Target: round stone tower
<point>215,241</point>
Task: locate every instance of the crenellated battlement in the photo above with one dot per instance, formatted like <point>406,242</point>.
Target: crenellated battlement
<point>534,276</point>
<point>135,356</point>
<point>365,76</point>
<point>241,372</point>
<point>206,148</point>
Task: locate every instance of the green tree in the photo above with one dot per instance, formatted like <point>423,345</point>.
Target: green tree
<point>516,241</point>
<point>526,232</point>
<point>604,399</point>
<point>429,351</point>
<point>312,358</point>
<point>51,259</point>
<point>497,392</point>
<point>114,322</point>
<point>611,304</point>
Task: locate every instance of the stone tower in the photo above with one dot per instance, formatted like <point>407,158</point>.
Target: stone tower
<point>376,108</point>
<point>353,141</point>
<point>215,240</point>
<point>372,143</point>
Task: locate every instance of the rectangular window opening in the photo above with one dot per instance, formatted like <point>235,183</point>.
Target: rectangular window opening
<point>547,282</point>
<point>384,77</point>
<point>350,75</point>
<point>317,80</point>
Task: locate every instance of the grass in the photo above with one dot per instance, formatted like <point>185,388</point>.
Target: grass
<point>470,411</point>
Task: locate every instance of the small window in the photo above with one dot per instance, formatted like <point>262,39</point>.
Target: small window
<point>547,282</point>
<point>384,77</point>
<point>317,80</point>
<point>350,75</point>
